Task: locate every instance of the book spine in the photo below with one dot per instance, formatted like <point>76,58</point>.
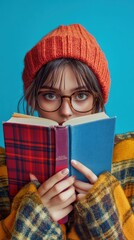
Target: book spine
<point>61,154</point>
<point>61,150</point>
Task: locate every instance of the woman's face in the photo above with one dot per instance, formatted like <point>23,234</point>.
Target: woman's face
<point>65,87</point>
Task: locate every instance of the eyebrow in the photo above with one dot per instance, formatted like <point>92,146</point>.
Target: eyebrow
<point>53,88</point>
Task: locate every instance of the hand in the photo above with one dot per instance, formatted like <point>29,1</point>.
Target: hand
<point>82,188</point>
<point>57,194</point>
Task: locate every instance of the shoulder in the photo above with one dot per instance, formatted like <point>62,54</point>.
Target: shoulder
<point>3,167</point>
<point>2,150</point>
<point>123,154</point>
<point>124,147</point>
<point>123,163</point>
<point>2,156</point>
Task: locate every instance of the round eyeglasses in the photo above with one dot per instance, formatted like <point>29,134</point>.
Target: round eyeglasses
<point>50,101</point>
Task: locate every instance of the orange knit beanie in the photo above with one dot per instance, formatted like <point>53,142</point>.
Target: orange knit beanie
<point>71,41</point>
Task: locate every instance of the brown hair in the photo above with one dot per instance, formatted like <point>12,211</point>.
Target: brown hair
<point>52,72</point>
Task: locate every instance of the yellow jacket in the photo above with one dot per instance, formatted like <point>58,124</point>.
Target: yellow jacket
<point>105,213</point>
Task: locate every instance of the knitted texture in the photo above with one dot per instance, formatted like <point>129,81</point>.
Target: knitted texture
<point>72,41</point>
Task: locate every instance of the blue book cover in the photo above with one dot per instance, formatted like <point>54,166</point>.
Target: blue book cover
<point>92,144</point>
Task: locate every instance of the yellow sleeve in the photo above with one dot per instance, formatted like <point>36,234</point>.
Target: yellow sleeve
<point>123,164</point>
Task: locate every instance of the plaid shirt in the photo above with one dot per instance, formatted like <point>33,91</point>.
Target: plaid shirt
<point>105,213</point>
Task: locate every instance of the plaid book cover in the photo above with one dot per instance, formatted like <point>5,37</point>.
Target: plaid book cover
<point>32,149</point>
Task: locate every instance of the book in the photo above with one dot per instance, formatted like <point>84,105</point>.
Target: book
<point>42,147</point>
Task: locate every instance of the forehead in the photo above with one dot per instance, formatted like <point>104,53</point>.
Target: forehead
<point>64,78</point>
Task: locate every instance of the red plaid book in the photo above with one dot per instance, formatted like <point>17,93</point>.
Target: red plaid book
<point>42,147</point>
<point>31,149</point>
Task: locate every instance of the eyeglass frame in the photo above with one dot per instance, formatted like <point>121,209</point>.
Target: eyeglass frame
<point>70,101</point>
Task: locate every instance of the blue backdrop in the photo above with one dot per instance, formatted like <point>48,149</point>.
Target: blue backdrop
<point>24,22</point>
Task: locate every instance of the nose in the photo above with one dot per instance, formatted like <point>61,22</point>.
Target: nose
<point>65,109</point>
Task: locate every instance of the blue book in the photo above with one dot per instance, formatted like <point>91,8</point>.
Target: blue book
<point>92,144</point>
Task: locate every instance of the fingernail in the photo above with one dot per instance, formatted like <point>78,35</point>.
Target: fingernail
<point>74,162</point>
<point>65,171</point>
<point>32,177</point>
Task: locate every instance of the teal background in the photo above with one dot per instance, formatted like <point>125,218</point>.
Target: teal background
<point>24,22</point>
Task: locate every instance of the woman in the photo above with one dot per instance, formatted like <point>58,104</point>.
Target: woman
<point>66,76</point>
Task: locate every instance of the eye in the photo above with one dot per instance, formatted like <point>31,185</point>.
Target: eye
<point>50,96</point>
<point>81,96</point>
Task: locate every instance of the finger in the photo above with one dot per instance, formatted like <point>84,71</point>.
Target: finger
<point>80,196</point>
<point>48,184</point>
<point>58,188</point>
<point>78,190</point>
<point>85,171</point>
<point>56,216</point>
<point>64,196</point>
<point>82,185</point>
<point>64,204</point>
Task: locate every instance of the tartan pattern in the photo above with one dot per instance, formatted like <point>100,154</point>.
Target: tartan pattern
<point>28,150</point>
<point>39,150</point>
<point>124,172</point>
<point>99,206</point>
<point>4,200</point>
<point>99,219</point>
<point>33,221</point>
<point>123,164</point>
